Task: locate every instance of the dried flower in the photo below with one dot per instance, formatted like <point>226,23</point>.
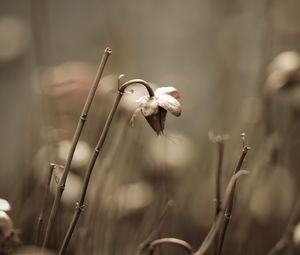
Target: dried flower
<point>155,108</point>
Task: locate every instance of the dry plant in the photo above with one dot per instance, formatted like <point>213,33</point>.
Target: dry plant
<point>153,107</point>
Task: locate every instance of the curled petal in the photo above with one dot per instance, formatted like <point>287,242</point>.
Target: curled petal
<point>4,205</point>
<point>149,107</point>
<point>157,121</point>
<point>167,91</point>
<point>169,103</point>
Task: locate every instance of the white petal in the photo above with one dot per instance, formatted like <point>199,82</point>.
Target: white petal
<point>169,103</point>
<point>149,107</point>
<point>4,205</point>
<point>142,99</point>
<point>167,91</point>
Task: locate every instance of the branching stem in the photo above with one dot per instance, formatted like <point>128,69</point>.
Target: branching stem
<point>229,208</point>
<point>80,205</point>
<point>212,234</point>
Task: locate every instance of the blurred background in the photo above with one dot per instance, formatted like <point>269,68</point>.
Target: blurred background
<point>236,66</point>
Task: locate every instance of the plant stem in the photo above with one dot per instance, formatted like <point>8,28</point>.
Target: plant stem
<point>228,210</point>
<point>137,81</point>
<point>170,240</point>
<point>45,199</point>
<point>80,205</point>
<point>212,234</point>
<point>220,144</point>
<point>80,125</point>
<point>218,176</point>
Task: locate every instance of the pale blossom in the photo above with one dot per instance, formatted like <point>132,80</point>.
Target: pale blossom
<point>155,108</point>
<point>4,205</point>
<point>6,225</point>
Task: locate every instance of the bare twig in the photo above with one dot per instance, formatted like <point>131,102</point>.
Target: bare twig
<point>212,234</point>
<point>80,205</point>
<point>44,203</point>
<point>228,211</point>
<point>80,125</point>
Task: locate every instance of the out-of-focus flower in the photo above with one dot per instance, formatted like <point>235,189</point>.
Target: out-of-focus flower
<point>283,70</point>
<point>81,155</point>
<point>4,205</point>
<point>155,108</point>
<point>129,198</point>
<point>14,37</point>
<point>9,240</point>
<point>6,225</point>
<point>296,235</point>
<point>32,250</point>
<point>175,153</point>
<point>273,195</point>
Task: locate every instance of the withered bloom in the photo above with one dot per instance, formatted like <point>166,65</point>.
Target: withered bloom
<point>155,108</point>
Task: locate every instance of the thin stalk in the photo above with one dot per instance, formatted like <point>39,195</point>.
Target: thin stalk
<point>229,208</point>
<point>220,144</point>
<point>80,205</point>
<point>170,240</point>
<point>212,234</point>
<point>80,125</point>
<point>219,176</point>
<point>44,203</point>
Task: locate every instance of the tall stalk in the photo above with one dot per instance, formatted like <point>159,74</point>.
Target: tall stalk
<point>80,205</point>
<point>220,143</point>
<point>212,234</point>
<point>229,208</point>
<point>80,125</point>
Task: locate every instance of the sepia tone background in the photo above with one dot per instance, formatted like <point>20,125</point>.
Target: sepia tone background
<point>216,53</point>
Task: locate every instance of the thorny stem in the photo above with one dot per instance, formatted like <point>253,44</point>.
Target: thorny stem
<point>80,125</point>
<point>212,234</point>
<point>145,244</point>
<point>80,205</point>
<point>170,240</point>
<point>44,203</point>
<point>228,210</point>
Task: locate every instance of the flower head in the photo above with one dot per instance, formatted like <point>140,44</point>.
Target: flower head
<point>6,225</point>
<point>155,108</point>
<point>4,205</point>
